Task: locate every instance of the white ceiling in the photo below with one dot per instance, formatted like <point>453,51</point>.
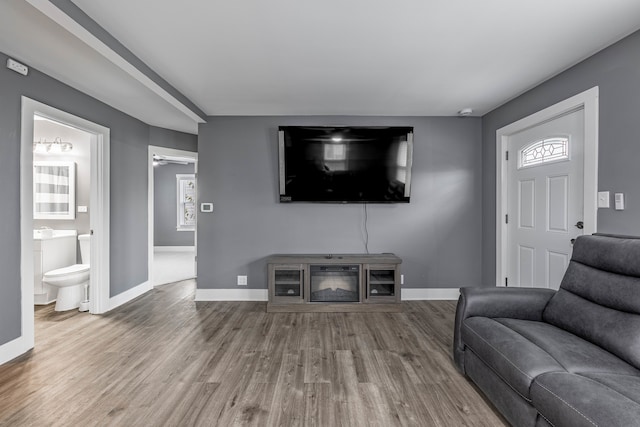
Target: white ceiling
<point>324,57</point>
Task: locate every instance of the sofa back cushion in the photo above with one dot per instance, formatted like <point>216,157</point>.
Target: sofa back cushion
<point>599,297</point>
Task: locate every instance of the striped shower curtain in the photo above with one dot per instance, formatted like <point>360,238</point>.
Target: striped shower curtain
<point>51,185</point>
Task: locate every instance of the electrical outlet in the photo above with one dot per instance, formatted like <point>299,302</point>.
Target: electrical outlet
<point>242,280</point>
<point>17,67</point>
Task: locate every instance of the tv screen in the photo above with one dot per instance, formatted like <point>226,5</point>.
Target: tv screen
<point>345,164</point>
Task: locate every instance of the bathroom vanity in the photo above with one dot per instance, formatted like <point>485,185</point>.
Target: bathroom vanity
<point>52,249</point>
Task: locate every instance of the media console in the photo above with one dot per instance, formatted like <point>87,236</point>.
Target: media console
<point>334,283</point>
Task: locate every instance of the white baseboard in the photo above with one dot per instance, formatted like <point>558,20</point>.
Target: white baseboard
<point>231,295</point>
<point>174,248</point>
<point>128,295</point>
<point>409,294</point>
<point>14,348</point>
<point>42,299</point>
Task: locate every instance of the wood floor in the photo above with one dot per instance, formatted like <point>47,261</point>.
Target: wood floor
<point>164,360</point>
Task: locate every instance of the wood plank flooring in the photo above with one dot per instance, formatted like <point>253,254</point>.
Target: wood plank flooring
<point>165,360</point>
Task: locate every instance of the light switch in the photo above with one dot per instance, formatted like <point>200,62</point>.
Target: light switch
<point>619,198</point>
<point>603,199</point>
<point>82,209</point>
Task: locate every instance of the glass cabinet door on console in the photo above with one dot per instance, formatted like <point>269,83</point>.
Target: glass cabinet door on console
<point>288,283</point>
<point>381,283</point>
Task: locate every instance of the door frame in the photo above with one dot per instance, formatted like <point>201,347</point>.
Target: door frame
<point>164,151</point>
<point>99,206</point>
<point>587,101</point>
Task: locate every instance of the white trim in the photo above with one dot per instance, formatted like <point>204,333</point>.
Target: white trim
<point>589,102</point>
<point>27,322</point>
<point>232,295</point>
<point>14,348</point>
<point>415,294</point>
<point>162,151</point>
<point>65,21</point>
<point>99,220</point>
<point>129,294</point>
<point>174,248</point>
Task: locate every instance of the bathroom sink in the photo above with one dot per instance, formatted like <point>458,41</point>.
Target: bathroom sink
<point>47,233</point>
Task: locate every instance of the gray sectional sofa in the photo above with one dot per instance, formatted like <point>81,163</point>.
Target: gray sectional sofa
<point>565,358</point>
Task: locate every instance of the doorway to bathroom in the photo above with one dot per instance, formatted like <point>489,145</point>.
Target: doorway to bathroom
<point>172,215</point>
<point>64,186</point>
<point>61,215</point>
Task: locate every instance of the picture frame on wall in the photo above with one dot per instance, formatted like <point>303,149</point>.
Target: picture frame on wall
<point>54,190</point>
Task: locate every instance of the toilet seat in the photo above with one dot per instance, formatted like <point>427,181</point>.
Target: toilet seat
<point>68,276</point>
<point>75,268</point>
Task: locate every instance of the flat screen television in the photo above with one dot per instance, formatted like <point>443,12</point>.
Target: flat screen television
<point>343,164</point>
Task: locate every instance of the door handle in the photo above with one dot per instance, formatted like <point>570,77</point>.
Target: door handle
<point>579,225</point>
<point>573,241</point>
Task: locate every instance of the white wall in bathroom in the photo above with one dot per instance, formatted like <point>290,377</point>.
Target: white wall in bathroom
<point>81,156</point>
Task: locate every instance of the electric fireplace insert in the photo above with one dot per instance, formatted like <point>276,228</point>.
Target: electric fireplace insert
<point>335,283</point>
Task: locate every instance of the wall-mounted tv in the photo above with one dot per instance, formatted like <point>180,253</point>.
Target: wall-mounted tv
<point>345,164</point>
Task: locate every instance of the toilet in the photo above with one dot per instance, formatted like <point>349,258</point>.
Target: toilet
<point>73,280</point>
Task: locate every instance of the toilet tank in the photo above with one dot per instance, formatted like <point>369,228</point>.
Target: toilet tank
<point>85,248</point>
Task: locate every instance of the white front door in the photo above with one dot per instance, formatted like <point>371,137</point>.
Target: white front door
<point>545,191</point>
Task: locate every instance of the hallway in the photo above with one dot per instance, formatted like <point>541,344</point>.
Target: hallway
<point>173,266</point>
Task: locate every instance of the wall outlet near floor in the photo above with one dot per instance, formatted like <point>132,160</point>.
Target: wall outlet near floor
<point>242,280</point>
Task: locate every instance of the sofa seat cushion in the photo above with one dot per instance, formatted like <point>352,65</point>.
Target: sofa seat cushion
<point>520,350</point>
<point>573,353</point>
<point>511,356</point>
<point>567,399</point>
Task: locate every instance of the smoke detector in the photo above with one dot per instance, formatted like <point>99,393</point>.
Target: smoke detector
<point>465,112</point>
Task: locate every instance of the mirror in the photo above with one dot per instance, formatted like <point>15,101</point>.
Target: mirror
<point>54,190</point>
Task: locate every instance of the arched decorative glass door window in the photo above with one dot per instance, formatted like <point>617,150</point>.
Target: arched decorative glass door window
<point>546,150</point>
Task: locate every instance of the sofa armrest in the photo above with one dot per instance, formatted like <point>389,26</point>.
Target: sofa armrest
<point>514,303</point>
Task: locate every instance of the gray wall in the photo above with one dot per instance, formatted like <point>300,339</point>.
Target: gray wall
<point>616,70</point>
<point>129,141</point>
<point>172,139</point>
<point>437,235</point>
<point>165,206</point>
